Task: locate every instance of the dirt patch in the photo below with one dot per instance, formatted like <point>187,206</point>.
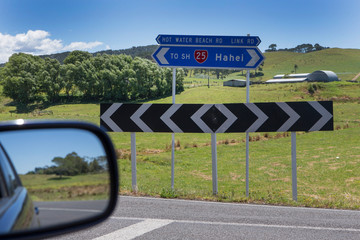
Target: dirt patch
<point>352,179</point>
<point>234,176</point>
<point>278,165</point>
<point>287,179</point>
<point>335,166</point>
<point>262,168</point>
<point>201,175</point>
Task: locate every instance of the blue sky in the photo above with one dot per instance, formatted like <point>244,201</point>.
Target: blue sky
<point>49,26</point>
<point>36,148</point>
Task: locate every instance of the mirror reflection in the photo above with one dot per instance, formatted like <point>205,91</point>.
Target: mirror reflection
<point>50,177</point>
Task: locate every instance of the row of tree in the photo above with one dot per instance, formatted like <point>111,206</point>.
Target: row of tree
<point>302,48</point>
<point>72,164</point>
<point>26,78</point>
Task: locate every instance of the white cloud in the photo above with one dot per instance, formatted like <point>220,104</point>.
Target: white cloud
<point>37,42</point>
<point>81,46</point>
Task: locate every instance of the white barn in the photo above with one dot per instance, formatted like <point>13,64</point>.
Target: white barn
<point>317,76</point>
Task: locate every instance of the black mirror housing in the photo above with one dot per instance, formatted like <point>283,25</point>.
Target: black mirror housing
<point>66,227</point>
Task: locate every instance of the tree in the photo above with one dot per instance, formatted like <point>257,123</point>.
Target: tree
<point>318,47</point>
<point>295,67</point>
<point>95,167</point>
<point>272,47</point>
<point>77,56</point>
<point>20,77</point>
<point>71,165</point>
<point>50,80</point>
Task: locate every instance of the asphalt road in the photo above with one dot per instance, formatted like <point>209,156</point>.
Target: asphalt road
<point>150,218</point>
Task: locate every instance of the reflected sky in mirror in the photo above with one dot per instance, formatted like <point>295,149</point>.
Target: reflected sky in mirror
<point>37,148</point>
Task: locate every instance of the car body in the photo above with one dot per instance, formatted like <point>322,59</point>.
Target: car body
<point>17,211</point>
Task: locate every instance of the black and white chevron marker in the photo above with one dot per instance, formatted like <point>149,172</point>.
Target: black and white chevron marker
<point>218,118</point>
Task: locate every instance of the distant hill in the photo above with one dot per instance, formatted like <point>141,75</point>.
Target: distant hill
<point>142,51</point>
<point>344,62</point>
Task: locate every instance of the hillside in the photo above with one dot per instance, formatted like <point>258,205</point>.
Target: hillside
<point>344,62</point>
<point>142,51</point>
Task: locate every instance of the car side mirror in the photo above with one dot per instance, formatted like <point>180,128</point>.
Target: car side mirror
<point>55,177</point>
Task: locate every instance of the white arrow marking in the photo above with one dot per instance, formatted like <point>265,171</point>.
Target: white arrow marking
<point>258,41</point>
<point>254,57</point>
<point>108,113</point>
<point>161,55</point>
<point>136,118</point>
<point>231,118</point>
<point>325,116</point>
<point>292,114</point>
<point>167,115</point>
<point>157,39</point>
<point>196,117</point>
<point>261,117</point>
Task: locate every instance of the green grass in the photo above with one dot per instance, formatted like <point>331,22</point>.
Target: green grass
<point>54,188</point>
<point>328,171</point>
<point>328,162</point>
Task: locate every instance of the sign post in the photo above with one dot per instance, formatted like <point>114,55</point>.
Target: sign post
<point>293,166</point>
<point>247,134</point>
<point>173,135</point>
<point>133,162</point>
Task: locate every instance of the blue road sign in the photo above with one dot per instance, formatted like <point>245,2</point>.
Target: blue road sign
<point>208,40</point>
<point>208,57</point>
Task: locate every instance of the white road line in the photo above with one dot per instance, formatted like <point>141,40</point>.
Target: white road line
<point>249,205</point>
<point>70,210</point>
<point>136,230</point>
<point>240,224</point>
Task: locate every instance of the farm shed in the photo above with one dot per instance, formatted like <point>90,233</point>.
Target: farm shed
<point>317,76</point>
<point>234,83</point>
<point>294,75</point>
<point>323,76</point>
<point>286,80</point>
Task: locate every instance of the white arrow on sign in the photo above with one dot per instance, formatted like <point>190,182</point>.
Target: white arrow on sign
<point>167,115</point>
<point>262,117</point>
<point>231,118</point>
<point>325,116</point>
<point>108,113</point>
<point>292,114</point>
<point>136,118</point>
<point>196,117</point>
<point>161,55</point>
<point>254,57</point>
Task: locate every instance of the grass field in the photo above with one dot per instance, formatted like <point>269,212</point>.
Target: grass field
<point>328,162</point>
<point>54,188</point>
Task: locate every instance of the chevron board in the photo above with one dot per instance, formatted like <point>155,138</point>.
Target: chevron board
<point>218,118</point>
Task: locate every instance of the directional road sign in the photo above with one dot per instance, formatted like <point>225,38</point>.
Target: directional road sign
<point>208,40</point>
<point>208,57</point>
<point>218,118</point>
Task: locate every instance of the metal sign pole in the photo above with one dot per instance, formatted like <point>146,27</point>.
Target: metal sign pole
<point>173,135</point>
<point>247,133</point>
<point>293,166</point>
<point>214,163</point>
<point>133,162</point>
